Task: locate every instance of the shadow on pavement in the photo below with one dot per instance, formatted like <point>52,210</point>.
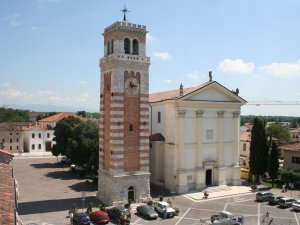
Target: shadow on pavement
<point>84,186</point>
<point>55,205</point>
<point>46,165</point>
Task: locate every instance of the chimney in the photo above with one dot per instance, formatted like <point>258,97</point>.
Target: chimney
<point>181,90</point>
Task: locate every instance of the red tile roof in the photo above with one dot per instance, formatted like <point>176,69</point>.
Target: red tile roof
<point>174,94</point>
<point>295,131</point>
<point>7,195</point>
<point>59,116</point>
<point>294,147</point>
<point>43,127</point>
<point>6,152</point>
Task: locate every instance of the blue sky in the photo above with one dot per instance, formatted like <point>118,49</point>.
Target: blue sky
<point>50,49</point>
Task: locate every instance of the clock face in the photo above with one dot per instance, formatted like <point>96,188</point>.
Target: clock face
<point>132,86</point>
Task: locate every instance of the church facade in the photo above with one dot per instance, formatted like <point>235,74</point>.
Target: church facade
<point>194,139</point>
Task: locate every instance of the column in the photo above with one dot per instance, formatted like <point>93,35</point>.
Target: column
<point>200,178</point>
<point>220,138</point>
<point>198,159</point>
<point>180,155</point>
<point>236,138</point>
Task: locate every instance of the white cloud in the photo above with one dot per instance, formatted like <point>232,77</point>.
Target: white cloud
<point>283,70</point>
<point>168,81</point>
<point>162,55</point>
<point>236,66</point>
<point>194,75</point>
<point>13,20</point>
<point>149,37</point>
<point>82,82</point>
<point>10,93</point>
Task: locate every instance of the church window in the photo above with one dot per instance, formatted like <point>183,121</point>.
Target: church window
<point>209,134</point>
<point>135,47</point>
<point>126,46</point>
<point>108,47</point>
<point>10,140</point>
<point>32,135</point>
<point>32,146</point>
<point>244,147</point>
<point>130,127</point>
<point>112,46</point>
<point>10,147</point>
<point>158,117</point>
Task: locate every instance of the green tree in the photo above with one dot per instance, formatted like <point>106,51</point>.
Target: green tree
<point>13,115</point>
<point>279,132</point>
<point>259,150</point>
<point>273,163</point>
<point>63,135</point>
<point>84,144</point>
<point>81,113</point>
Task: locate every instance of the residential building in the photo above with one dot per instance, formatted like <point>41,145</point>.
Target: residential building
<point>291,156</point>
<point>53,120</point>
<point>11,136</point>
<point>38,138</point>
<point>245,141</point>
<point>200,126</point>
<point>294,133</point>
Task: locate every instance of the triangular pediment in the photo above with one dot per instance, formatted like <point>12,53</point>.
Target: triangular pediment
<point>213,92</point>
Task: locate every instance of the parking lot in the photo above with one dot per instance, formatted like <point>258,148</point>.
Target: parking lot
<point>48,191</point>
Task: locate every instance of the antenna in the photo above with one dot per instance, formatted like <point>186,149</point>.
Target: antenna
<point>124,12</point>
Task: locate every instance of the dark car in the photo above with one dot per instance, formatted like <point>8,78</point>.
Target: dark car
<point>81,219</point>
<point>273,200</point>
<point>65,161</point>
<point>147,212</point>
<point>263,196</point>
<point>99,217</point>
<point>116,213</point>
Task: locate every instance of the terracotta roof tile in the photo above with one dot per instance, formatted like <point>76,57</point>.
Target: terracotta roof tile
<point>295,146</point>
<point>60,116</point>
<point>7,195</point>
<point>174,94</point>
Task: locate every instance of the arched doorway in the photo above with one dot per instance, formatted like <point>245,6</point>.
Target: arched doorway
<point>131,194</point>
<point>208,177</point>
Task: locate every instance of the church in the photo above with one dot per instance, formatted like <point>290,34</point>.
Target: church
<point>183,139</point>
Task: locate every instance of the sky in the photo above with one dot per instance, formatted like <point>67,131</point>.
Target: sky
<point>50,50</point>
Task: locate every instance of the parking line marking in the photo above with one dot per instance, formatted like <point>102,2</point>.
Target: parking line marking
<point>258,214</point>
<point>296,218</point>
<point>182,216</point>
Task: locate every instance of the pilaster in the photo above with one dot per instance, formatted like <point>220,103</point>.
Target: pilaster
<point>236,138</point>
<point>220,138</point>
<point>180,153</point>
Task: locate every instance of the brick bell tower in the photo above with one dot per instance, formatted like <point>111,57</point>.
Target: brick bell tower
<point>124,115</point>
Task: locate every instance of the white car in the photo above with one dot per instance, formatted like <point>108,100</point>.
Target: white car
<point>161,206</point>
<point>296,205</point>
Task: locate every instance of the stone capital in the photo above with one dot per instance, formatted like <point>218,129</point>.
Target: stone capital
<point>220,113</point>
<point>199,113</point>
<point>181,113</point>
<point>236,114</point>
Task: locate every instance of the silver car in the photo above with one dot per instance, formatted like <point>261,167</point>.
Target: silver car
<point>286,202</point>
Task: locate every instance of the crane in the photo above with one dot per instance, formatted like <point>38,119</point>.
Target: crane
<point>270,102</point>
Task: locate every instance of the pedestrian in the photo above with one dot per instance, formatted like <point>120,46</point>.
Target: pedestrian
<point>283,188</point>
<point>71,218</point>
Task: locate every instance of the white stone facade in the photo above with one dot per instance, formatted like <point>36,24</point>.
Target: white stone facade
<point>201,131</point>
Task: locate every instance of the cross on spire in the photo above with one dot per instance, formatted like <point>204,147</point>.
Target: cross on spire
<point>124,12</point>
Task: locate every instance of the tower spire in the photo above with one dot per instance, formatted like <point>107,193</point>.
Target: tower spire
<point>124,12</point>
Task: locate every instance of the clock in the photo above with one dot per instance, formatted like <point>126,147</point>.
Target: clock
<point>132,86</point>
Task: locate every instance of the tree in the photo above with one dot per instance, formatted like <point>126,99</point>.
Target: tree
<point>81,113</point>
<point>279,132</point>
<point>84,144</point>
<point>273,163</point>
<point>259,150</point>
<point>63,132</point>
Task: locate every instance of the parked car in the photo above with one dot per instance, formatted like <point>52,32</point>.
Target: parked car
<point>81,219</point>
<point>116,213</point>
<point>286,202</point>
<point>263,196</point>
<point>273,200</point>
<point>147,212</point>
<point>161,206</point>
<point>65,161</point>
<point>99,217</point>
<point>296,205</point>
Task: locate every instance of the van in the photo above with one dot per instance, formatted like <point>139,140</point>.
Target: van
<point>263,196</point>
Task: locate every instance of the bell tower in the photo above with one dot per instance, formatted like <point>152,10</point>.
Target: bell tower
<point>124,115</point>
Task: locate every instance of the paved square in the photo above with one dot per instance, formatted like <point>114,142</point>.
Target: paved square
<point>48,191</point>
